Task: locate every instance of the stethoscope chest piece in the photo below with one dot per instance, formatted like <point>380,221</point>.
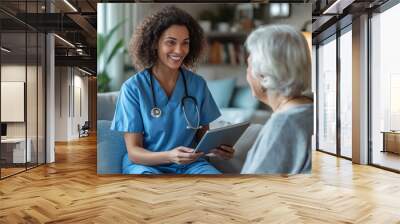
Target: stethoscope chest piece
<point>155,112</point>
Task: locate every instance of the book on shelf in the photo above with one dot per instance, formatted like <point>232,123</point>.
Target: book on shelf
<point>228,53</point>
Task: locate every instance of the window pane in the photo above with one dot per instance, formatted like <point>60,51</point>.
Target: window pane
<point>327,97</point>
<point>345,94</point>
<point>385,84</point>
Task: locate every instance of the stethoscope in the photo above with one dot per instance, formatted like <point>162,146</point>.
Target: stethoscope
<point>156,112</point>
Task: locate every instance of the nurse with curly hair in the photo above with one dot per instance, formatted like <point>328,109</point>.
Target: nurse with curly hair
<point>166,108</point>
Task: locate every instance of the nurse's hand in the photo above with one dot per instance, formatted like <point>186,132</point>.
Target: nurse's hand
<point>224,152</point>
<point>183,155</point>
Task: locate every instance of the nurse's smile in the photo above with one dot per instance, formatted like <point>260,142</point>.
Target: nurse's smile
<point>173,46</point>
<point>176,59</point>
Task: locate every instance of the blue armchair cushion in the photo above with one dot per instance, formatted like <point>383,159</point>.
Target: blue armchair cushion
<point>106,105</point>
<point>222,90</point>
<point>110,149</point>
<point>243,98</point>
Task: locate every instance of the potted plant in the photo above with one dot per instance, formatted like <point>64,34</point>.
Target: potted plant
<point>103,40</point>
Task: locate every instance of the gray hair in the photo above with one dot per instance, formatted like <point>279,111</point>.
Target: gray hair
<point>280,60</point>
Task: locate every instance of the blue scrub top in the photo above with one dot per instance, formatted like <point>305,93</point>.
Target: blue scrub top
<point>132,113</point>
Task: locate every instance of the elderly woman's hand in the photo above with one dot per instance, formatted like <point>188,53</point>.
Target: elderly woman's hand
<point>224,152</point>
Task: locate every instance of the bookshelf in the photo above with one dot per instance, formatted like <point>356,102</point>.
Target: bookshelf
<point>236,36</point>
<point>226,48</point>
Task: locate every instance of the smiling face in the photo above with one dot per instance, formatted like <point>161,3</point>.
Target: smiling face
<point>173,46</point>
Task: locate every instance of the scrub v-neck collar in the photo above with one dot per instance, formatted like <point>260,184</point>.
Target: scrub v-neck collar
<point>161,96</point>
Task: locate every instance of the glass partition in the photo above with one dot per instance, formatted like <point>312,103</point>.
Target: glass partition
<point>13,108</point>
<point>346,93</point>
<point>385,89</point>
<point>22,87</point>
<point>327,96</point>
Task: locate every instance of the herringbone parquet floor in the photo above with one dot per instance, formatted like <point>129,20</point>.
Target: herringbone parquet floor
<point>69,191</point>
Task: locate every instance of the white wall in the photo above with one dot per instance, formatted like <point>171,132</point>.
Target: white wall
<point>68,83</point>
<point>33,126</point>
<point>17,73</point>
<point>61,103</point>
<point>14,73</point>
<point>80,83</point>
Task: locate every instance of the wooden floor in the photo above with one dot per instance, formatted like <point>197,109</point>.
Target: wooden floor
<point>387,159</point>
<point>70,191</point>
<point>10,171</point>
<point>5,172</point>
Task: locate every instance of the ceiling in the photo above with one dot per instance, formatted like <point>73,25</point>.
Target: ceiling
<point>330,15</point>
<point>73,20</point>
<point>76,20</point>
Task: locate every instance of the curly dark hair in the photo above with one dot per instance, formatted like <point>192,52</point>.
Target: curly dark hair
<point>145,39</point>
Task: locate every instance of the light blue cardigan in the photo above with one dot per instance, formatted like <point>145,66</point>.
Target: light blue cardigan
<point>283,146</point>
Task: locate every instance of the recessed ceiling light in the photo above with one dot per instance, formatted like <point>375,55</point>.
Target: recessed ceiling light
<point>337,7</point>
<point>64,40</point>
<point>70,5</point>
<point>84,71</point>
<point>5,50</point>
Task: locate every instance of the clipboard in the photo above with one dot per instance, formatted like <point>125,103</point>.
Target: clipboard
<point>227,135</point>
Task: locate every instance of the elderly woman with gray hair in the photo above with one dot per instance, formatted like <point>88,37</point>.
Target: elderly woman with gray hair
<point>279,74</point>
